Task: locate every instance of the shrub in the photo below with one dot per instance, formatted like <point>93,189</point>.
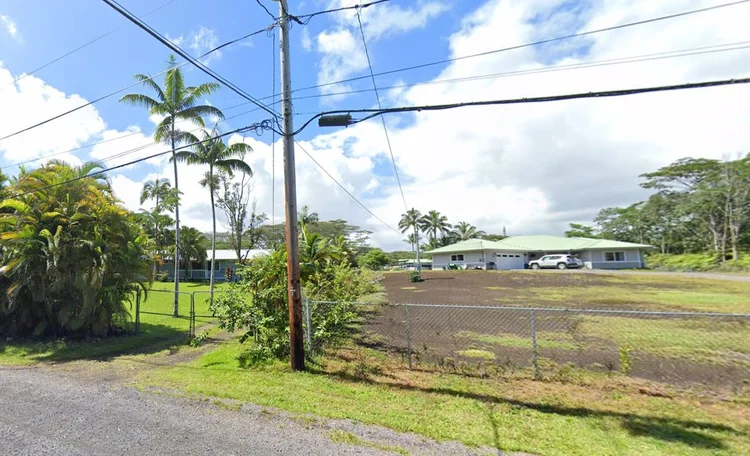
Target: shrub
<point>696,262</point>
<point>257,303</point>
<point>162,276</point>
<point>415,276</point>
<point>71,256</point>
<point>228,273</point>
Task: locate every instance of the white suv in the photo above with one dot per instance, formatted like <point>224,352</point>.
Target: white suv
<point>561,261</point>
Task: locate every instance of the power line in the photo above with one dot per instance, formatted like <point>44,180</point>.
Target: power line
<point>554,68</point>
<point>344,188</point>
<point>309,17</point>
<point>88,43</point>
<point>256,126</point>
<point>266,10</point>
<point>148,29</point>
<point>533,43</point>
<point>77,108</point>
<point>377,96</point>
<point>86,146</point>
<point>603,94</point>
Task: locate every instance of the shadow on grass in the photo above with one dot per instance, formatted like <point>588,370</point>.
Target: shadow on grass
<point>672,430</point>
<point>152,339</point>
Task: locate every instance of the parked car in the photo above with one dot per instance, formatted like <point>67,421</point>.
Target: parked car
<point>556,261</point>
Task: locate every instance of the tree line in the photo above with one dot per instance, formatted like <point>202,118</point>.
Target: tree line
<point>699,205</point>
<point>438,232</point>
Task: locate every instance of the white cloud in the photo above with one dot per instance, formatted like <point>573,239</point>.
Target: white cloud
<point>30,100</point>
<point>342,48</point>
<point>125,146</point>
<point>203,41</point>
<point>306,40</point>
<point>530,168</point>
<point>10,27</point>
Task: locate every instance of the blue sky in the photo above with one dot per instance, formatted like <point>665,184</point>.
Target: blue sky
<point>110,63</point>
<point>493,167</point>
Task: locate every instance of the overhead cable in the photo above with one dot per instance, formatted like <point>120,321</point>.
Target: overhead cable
<point>148,29</point>
<point>603,94</point>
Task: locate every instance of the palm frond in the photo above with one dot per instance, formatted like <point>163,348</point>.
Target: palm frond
<point>233,165</point>
<point>197,93</point>
<point>191,158</point>
<point>140,100</point>
<point>148,82</point>
<point>194,113</point>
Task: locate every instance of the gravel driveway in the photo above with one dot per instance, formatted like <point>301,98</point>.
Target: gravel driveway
<point>47,412</point>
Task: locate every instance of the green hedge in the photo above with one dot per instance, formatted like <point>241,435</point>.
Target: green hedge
<point>696,262</point>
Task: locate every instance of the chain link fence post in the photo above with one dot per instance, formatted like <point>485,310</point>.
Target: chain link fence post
<point>308,324</point>
<point>408,335</point>
<point>137,312</point>
<point>192,316</point>
<point>535,348</point>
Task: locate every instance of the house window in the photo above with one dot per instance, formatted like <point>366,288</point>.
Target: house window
<point>457,258</point>
<point>614,256</point>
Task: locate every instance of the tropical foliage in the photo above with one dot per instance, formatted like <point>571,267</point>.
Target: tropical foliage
<point>700,206</point>
<point>72,256</point>
<point>221,159</point>
<point>257,303</point>
<point>175,104</point>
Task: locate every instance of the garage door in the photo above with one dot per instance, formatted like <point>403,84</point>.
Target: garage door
<point>509,260</point>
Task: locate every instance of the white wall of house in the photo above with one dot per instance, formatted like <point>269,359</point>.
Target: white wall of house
<point>468,259</point>
<point>617,259</point>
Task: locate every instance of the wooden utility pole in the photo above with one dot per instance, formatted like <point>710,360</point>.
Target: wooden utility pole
<point>290,191</point>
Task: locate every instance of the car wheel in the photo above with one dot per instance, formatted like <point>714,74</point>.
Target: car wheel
<point>534,266</point>
<point>562,266</point>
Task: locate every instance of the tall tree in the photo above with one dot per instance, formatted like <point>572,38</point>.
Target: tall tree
<point>410,221</point>
<point>434,224</point>
<point>219,157</point>
<point>175,103</point>
<point>158,190</point>
<point>580,230</point>
<point>254,230</point>
<point>463,231</point>
<point>234,202</point>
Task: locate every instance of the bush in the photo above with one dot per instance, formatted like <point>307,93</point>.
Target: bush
<point>696,262</point>
<point>71,257</point>
<point>415,276</point>
<point>257,304</point>
<point>161,276</point>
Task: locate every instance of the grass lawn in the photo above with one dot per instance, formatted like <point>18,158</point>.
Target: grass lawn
<point>159,330</point>
<point>585,414</point>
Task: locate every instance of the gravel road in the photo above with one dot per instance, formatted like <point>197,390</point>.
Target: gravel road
<point>47,412</point>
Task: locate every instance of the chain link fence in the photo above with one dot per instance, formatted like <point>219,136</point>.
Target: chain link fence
<point>154,313</point>
<point>674,347</point>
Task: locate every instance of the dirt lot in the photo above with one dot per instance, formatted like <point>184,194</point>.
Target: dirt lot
<point>677,349</point>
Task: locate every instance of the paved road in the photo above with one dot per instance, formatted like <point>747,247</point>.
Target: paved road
<point>46,412</point>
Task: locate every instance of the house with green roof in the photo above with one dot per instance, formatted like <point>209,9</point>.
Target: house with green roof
<point>516,252</point>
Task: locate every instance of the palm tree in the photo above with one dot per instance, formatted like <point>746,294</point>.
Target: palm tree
<point>410,220</point>
<point>411,239</point>
<point>307,218</point>
<point>192,247</point>
<point>433,224</point>
<point>463,231</point>
<point>158,190</point>
<point>218,157</point>
<point>174,103</point>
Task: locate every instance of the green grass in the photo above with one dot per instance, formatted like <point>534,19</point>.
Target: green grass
<point>544,339</point>
<point>348,438</point>
<point>159,330</point>
<point>612,416</point>
<point>702,340</point>
<point>476,353</point>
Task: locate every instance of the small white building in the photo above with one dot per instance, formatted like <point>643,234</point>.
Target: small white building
<point>202,270</point>
<point>515,252</point>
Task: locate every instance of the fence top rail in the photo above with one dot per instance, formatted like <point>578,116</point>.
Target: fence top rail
<point>584,311</point>
<point>168,291</point>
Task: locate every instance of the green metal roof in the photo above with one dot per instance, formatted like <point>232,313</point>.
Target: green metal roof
<point>538,244</point>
